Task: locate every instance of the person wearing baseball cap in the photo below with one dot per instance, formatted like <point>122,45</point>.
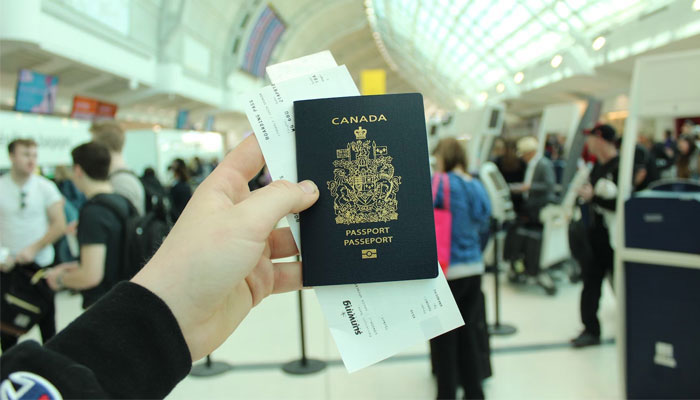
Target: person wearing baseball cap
<point>600,193</point>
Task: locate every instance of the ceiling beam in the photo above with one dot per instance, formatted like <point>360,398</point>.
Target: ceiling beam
<point>54,65</point>
<point>88,85</point>
<point>130,97</point>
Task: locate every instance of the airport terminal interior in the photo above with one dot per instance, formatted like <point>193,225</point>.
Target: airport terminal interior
<point>561,140</point>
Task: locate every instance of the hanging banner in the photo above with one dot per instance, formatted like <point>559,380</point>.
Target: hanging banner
<point>36,92</point>
<point>183,117</point>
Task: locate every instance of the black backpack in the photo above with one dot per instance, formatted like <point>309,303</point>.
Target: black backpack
<point>26,299</point>
<point>142,235</point>
<point>157,198</point>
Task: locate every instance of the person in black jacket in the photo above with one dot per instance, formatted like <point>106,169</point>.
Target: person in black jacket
<point>140,339</point>
<point>180,192</point>
<point>155,192</point>
<point>601,193</point>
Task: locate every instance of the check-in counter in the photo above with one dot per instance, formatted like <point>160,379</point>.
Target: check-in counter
<point>662,295</point>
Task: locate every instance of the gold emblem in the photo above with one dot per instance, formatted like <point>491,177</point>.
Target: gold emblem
<point>369,253</point>
<point>364,186</point>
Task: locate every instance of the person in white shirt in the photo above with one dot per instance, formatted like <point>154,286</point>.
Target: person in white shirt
<point>31,220</point>
<point>123,180</point>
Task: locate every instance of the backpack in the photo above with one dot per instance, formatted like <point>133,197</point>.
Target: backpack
<point>26,299</point>
<point>142,235</point>
<point>156,197</point>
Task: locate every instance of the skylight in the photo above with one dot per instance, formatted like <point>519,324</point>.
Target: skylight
<point>477,44</point>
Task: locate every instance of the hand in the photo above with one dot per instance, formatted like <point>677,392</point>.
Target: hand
<point>8,265</point>
<point>26,255</point>
<point>53,275</point>
<point>586,192</point>
<point>215,265</point>
<point>72,228</point>
<point>520,188</point>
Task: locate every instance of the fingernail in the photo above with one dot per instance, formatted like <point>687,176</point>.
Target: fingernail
<point>307,186</point>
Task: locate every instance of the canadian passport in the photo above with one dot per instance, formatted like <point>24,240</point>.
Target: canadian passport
<point>373,221</point>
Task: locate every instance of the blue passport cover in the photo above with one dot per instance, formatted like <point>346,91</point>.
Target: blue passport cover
<point>373,221</point>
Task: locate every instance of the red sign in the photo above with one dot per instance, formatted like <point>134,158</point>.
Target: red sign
<point>105,110</point>
<point>92,109</point>
<point>83,107</point>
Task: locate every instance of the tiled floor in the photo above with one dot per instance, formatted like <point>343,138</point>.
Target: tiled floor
<point>534,363</point>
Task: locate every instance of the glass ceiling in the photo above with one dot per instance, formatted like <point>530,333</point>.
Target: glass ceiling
<point>471,46</point>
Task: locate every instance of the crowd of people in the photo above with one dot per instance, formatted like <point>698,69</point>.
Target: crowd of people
<point>99,201</point>
<point>677,156</point>
<point>461,357</point>
<point>71,233</point>
<point>534,173</point>
<point>140,339</point>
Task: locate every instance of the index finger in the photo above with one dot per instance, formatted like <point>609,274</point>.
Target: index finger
<point>239,166</point>
<point>266,206</point>
<point>245,159</point>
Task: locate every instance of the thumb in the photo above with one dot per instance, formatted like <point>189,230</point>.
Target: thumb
<point>266,206</point>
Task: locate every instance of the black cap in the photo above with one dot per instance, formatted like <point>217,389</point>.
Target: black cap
<point>605,132</point>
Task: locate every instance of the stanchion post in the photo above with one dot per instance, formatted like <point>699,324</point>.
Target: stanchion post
<point>302,336</point>
<point>498,328</point>
<point>303,366</point>
<point>210,368</point>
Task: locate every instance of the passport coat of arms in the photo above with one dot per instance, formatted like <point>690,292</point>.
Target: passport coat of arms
<point>364,186</point>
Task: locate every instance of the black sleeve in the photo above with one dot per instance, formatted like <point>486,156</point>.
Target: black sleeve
<point>127,345</point>
<point>93,225</point>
